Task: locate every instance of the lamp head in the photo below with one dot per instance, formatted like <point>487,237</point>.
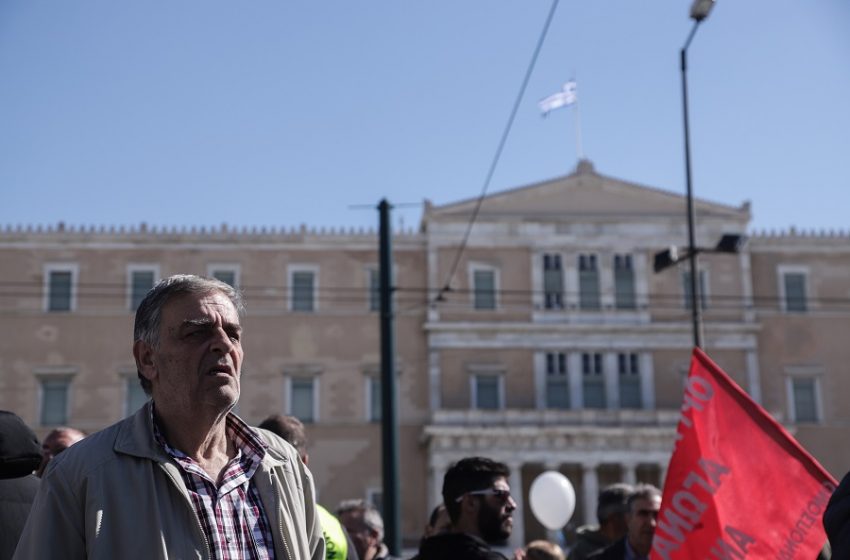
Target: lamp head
<point>730,243</point>
<point>665,259</point>
<point>700,9</point>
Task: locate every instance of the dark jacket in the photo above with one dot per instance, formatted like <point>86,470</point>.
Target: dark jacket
<point>20,455</point>
<point>836,519</point>
<point>456,546</point>
<point>589,540</point>
<point>616,551</point>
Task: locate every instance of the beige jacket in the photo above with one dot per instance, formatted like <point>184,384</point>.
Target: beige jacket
<point>117,494</point>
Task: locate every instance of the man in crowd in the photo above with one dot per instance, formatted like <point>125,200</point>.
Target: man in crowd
<point>611,510</point>
<point>338,545</point>
<point>641,518</point>
<point>364,523</point>
<point>57,441</point>
<point>478,499</point>
<point>19,456</point>
<point>183,477</point>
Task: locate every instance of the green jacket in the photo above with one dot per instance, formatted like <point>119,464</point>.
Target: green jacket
<point>117,494</point>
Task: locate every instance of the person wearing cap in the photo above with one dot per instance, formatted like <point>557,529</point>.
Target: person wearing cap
<point>20,455</point>
<point>611,512</point>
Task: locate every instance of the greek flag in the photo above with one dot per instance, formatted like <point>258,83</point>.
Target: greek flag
<point>564,98</point>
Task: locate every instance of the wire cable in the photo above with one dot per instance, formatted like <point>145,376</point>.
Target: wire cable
<point>447,285</point>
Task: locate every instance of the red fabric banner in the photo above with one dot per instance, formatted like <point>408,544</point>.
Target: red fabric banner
<point>738,485</point>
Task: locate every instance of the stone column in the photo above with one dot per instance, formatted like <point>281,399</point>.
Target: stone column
<point>552,536</point>
<point>590,487</point>
<point>629,472</point>
<point>517,539</point>
<point>436,473</point>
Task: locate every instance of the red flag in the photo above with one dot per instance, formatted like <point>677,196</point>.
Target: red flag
<point>738,485</point>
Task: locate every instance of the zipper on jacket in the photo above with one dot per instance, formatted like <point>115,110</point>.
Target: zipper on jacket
<point>273,477</point>
<point>194,513</point>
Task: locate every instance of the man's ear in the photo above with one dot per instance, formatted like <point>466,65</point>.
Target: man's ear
<point>143,353</point>
<point>469,504</point>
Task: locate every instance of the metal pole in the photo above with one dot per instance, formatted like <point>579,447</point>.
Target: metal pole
<point>389,411</point>
<point>696,309</point>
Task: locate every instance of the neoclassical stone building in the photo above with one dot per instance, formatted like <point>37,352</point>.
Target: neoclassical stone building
<point>547,343</point>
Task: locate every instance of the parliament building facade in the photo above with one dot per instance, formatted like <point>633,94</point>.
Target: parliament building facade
<point>547,342</point>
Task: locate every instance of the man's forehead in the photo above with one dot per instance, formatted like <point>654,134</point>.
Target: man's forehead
<point>194,307</point>
<point>501,483</point>
<point>647,504</point>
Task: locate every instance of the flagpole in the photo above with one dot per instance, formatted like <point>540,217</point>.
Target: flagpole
<point>579,148</point>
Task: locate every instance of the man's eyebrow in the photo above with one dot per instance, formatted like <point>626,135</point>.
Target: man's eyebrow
<point>202,322</point>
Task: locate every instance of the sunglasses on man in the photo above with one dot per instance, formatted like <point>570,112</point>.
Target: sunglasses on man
<point>502,495</point>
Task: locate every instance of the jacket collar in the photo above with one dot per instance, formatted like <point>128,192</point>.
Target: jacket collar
<point>135,437</point>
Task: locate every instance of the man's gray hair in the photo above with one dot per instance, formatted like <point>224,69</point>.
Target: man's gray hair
<point>642,492</point>
<point>149,312</point>
<point>371,516</point>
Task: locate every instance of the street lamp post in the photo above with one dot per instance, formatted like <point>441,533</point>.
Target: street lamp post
<point>699,11</point>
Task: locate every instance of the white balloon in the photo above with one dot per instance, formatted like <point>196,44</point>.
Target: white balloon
<point>553,500</point>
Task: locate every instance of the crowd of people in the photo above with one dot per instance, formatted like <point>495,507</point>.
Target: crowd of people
<point>184,477</point>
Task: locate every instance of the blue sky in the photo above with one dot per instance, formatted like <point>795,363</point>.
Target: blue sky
<point>200,112</point>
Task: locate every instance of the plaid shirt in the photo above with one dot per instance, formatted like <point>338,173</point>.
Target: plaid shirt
<point>231,514</point>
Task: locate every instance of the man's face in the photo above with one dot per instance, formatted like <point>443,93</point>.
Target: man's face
<point>494,516</point>
<point>198,360</point>
<point>641,521</point>
<point>55,443</point>
<point>364,538</point>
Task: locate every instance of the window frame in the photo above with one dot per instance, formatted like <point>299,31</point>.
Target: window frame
<point>782,271</point>
<point>474,268</point>
<point>48,270</point>
<point>132,268</point>
<point>64,374</point>
<point>558,357</point>
<point>293,269</point>
<point>560,296</point>
<point>813,374</point>
<point>314,381</point>
<point>235,268</point>
<point>594,358</point>
<point>594,258</point>
<point>615,271</point>
<point>500,388</point>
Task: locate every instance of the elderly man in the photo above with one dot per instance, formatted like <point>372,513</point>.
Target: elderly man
<point>611,508</point>
<point>364,523</point>
<point>183,477</point>
<point>641,519</point>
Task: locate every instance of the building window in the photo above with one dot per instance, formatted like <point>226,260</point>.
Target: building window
<point>54,401</point>
<point>374,290</point>
<point>624,282</point>
<point>703,291</point>
<point>553,282</point>
<point>302,289</point>
<point>60,287</point>
<point>140,280</point>
<point>794,284</point>
<point>486,391</point>
<point>227,273</point>
<point>593,380</point>
<point>804,393</point>
<point>483,287</point>
<point>588,282</point>
<point>375,496</point>
<point>628,368</point>
<point>373,400</point>
<point>557,382</point>
<point>135,396</point>
<point>302,398</point>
